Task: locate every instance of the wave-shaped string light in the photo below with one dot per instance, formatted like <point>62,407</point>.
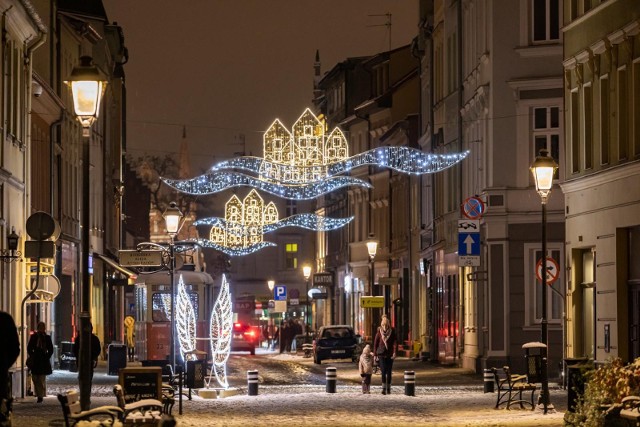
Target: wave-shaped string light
<point>307,162</point>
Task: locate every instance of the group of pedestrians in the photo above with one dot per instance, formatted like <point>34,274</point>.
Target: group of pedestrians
<point>287,334</point>
<point>39,352</point>
<point>383,354</point>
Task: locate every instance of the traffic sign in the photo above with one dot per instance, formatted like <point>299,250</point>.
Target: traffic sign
<point>280,293</point>
<point>135,258</point>
<point>468,242</point>
<point>473,208</point>
<point>553,270</point>
<point>371,302</point>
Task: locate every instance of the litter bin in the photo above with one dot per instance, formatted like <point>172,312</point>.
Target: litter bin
<point>117,358</point>
<point>196,369</point>
<point>575,383</point>
<point>571,361</point>
<point>67,358</point>
<point>534,352</point>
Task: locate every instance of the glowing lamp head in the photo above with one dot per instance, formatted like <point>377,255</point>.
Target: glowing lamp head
<point>271,284</point>
<point>306,271</point>
<point>172,216</point>
<point>12,240</point>
<point>543,170</point>
<point>87,87</point>
<point>372,247</point>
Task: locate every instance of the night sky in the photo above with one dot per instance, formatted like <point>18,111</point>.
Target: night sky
<point>225,68</point>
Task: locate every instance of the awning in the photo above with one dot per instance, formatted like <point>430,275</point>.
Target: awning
<point>132,276</point>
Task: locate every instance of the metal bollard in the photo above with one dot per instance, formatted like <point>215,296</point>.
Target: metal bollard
<point>409,383</point>
<point>488,381</point>
<point>332,377</point>
<point>252,382</point>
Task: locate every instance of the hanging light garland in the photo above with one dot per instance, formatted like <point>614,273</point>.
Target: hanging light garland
<point>306,163</point>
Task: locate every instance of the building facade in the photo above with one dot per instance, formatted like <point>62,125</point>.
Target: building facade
<point>602,198</point>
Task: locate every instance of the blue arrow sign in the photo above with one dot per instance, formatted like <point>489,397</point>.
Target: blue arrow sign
<point>468,244</point>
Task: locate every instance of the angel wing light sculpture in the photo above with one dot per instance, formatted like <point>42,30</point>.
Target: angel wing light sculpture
<point>220,328</point>
<point>185,322</point>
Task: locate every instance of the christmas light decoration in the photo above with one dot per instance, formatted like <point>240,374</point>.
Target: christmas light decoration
<point>185,322</point>
<point>306,163</point>
<point>242,229</point>
<point>221,325</point>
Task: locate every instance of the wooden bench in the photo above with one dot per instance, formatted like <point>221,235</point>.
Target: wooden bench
<point>70,401</point>
<point>510,388</point>
<point>145,411</point>
<point>631,410</point>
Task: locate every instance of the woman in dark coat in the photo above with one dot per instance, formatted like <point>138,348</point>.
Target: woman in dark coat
<point>384,349</point>
<point>40,349</point>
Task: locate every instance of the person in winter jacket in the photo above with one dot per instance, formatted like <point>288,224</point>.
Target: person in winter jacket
<point>384,349</point>
<point>40,349</point>
<point>9,352</point>
<point>366,368</point>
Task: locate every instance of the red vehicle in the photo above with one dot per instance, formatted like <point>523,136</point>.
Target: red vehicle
<point>152,309</point>
<point>245,337</point>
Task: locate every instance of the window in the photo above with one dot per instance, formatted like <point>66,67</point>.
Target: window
<point>636,108</point>
<point>533,292</point>
<point>575,132</point>
<point>604,120</point>
<point>292,208</point>
<point>588,126</point>
<point>291,255</point>
<point>546,132</point>
<point>623,122</point>
<point>546,20</point>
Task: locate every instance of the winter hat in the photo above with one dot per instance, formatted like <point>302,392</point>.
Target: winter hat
<point>366,349</point>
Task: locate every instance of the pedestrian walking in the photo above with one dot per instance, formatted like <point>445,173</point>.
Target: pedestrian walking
<point>9,351</point>
<point>40,349</point>
<point>96,349</point>
<point>365,367</point>
<point>384,349</point>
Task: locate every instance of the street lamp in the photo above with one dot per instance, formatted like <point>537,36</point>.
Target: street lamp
<point>306,272</point>
<point>271,284</point>
<point>372,248</point>
<point>11,254</point>
<point>87,87</point>
<point>543,170</point>
<point>172,216</point>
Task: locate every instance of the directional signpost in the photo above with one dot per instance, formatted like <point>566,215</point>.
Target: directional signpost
<point>468,243</point>
<point>135,258</point>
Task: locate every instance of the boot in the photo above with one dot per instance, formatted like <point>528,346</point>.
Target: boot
<point>388,388</point>
<point>384,389</point>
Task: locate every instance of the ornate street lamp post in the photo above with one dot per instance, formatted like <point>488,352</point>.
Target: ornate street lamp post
<point>543,170</point>
<point>306,272</point>
<point>372,248</point>
<point>87,86</point>
<point>172,216</point>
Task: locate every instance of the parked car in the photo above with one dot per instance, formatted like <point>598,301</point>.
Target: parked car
<point>334,342</point>
<point>245,338</point>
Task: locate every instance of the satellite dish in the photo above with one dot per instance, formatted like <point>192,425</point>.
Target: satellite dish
<point>41,226</point>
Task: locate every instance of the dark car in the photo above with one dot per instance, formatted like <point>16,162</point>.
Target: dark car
<point>334,342</point>
<point>245,338</point>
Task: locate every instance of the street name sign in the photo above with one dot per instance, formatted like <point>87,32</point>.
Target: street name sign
<point>372,302</point>
<point>135,258</point>
<point>387,281</point>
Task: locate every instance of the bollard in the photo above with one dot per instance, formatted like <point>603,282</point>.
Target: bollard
<point>332,376</point>
<point>252,382</point>
<point>409,383</point>
<point>488,381</point>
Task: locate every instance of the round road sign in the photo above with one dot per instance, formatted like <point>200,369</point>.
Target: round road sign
<point>473,208</point>
<point>553,270</point>
<point>40,226</point>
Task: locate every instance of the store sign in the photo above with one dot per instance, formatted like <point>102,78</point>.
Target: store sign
<point>323,279</point>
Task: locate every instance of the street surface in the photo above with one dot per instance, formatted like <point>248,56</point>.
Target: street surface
<point>292,392</point>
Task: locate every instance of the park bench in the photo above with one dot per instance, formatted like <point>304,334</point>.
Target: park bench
<point>631,410</point>
<point>140,412</point>
<point>510,388</point>
<point>73,414</point>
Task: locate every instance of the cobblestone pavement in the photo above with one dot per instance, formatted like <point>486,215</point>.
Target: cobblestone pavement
<point>444,397</point>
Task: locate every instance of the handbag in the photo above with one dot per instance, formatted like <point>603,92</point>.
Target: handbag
<point>29,362</point>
